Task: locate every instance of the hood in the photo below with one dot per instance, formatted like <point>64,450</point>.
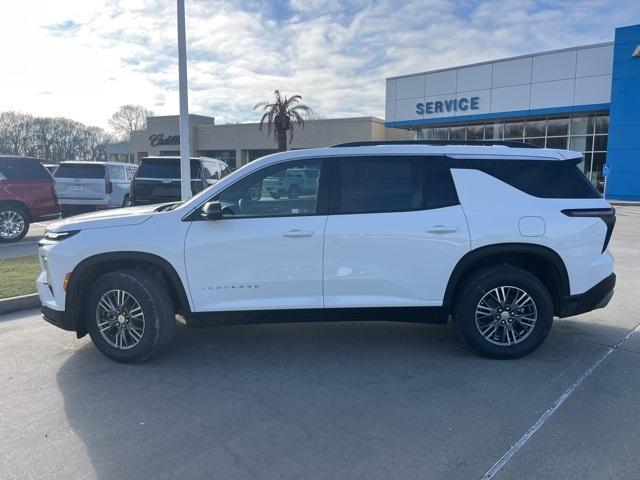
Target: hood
<point>118,217</point>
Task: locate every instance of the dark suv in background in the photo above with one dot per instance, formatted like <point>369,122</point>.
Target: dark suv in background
<point>27,194</point>
<point>157,179</point>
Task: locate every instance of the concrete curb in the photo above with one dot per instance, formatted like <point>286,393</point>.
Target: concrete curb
<point>15,304</point>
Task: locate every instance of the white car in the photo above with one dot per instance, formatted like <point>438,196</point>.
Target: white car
<point>502,238</point>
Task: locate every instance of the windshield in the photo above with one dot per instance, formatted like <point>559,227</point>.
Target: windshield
<point>79,170</point>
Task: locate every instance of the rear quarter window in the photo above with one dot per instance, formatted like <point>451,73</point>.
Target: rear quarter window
<point>68,170</point>
<point>23,169</point>
<point>539,178</point>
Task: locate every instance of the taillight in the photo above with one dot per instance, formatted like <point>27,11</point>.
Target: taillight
<point>607,215</point>
<point>108,186</point>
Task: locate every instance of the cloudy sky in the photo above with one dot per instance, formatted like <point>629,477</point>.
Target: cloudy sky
<point>83,58</point>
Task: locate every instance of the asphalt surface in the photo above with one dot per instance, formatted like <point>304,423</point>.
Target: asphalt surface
<point>28,245</point>
<point>328,401</point>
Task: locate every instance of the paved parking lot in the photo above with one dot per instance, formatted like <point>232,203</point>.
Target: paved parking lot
<point>28,245</point>
<point>327,401</point>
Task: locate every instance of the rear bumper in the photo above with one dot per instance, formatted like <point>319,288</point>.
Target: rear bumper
<point>58,318</point>
<point>596,297</point>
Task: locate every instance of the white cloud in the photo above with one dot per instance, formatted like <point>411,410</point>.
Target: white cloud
<point>84,59</point>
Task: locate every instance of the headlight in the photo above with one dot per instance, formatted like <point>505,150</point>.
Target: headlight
<point>58,236</point>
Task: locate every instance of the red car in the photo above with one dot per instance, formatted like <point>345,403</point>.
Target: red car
<point>27,194</point>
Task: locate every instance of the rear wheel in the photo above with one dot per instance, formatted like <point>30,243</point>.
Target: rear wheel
<point>126,202</point>
<point>503,312</point>
<point>14,223</point>
<point>129,315</point>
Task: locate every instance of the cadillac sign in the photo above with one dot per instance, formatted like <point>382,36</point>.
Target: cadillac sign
<point>159,139</point>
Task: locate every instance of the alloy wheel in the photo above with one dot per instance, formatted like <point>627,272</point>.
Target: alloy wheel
<point>11,224</point>
<point>506,315</point>
<point>120,319</point>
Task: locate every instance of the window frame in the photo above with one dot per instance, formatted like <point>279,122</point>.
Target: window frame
<point>322,198</point>
<point>335,199</point>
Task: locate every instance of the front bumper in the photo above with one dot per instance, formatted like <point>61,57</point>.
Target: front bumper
<point>596,297</point>
<point>58,318</point>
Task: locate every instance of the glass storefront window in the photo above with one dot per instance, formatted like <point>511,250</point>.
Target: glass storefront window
<point>585,165</point>
<point>582,125</point>
<point>457,133</point>
<point>494,131</point>
<point>602,124</point>
<point>539,142</point>
<point>425,134</point>
<point>441,133</point>
<point>535,128</point>
<point>474,132</point>
<point>582,143</point>
<point>600,143</point>
<point>597,179</point>
<point>513,130</point>
<point>557,142</point>
<point>557,127</point>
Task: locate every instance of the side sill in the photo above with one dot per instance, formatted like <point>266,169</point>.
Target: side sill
<point>431,315</point>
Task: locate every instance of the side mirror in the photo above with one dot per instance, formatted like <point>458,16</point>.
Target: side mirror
<point>212,210</point>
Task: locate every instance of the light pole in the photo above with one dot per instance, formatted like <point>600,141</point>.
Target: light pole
<point>185,137</point>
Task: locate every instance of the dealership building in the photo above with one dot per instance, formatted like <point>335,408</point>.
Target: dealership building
<point>238,144</point>
<point>584,98</point>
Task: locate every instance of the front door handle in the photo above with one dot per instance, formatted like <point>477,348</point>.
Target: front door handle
<point>442,229</point>
<point>296,233</point>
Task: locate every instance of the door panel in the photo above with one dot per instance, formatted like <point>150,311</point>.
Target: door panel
<point>265,253</point>
<point>391,259</point>
<point>255,263</point>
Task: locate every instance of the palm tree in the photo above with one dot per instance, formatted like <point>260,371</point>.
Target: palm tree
<point>281,116</point>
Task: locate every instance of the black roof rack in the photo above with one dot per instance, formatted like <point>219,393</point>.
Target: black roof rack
<point>486,143</point>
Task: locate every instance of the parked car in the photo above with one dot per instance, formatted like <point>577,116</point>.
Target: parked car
<point>158,178</point>
<point>51,167</point>
<point>500,237</point>
<point>27,195</point>
<point>294,182</point>
<point>86,186</point>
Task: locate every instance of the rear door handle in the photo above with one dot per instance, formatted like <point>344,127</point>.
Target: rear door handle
<point>442,229</point>
<point>296,233</point>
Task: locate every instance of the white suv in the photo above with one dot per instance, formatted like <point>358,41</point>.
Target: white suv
<point>500,237</point>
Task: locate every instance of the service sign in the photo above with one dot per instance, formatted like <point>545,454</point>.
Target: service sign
<point>461,104</point>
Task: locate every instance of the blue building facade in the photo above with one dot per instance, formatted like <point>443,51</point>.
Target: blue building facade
<point>584,98</point>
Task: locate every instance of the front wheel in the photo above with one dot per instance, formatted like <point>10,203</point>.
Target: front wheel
<point>129,315</point>
<point>503,312</point>
<point>14,223</point>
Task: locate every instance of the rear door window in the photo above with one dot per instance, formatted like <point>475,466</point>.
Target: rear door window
<point>380,184</point>
<point>79,170</point>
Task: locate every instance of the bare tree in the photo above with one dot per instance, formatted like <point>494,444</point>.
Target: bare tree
<point>129,118</point>
<point>16,133</point>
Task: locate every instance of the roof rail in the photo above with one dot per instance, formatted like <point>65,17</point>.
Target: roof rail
<point>486,143</point>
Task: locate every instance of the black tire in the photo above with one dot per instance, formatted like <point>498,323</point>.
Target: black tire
<point>159,314</point>
<point>275,195</point>
<point>475,288</point>
<point>13,213</point>
<point>125,201</point>
<point>294,192</point>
